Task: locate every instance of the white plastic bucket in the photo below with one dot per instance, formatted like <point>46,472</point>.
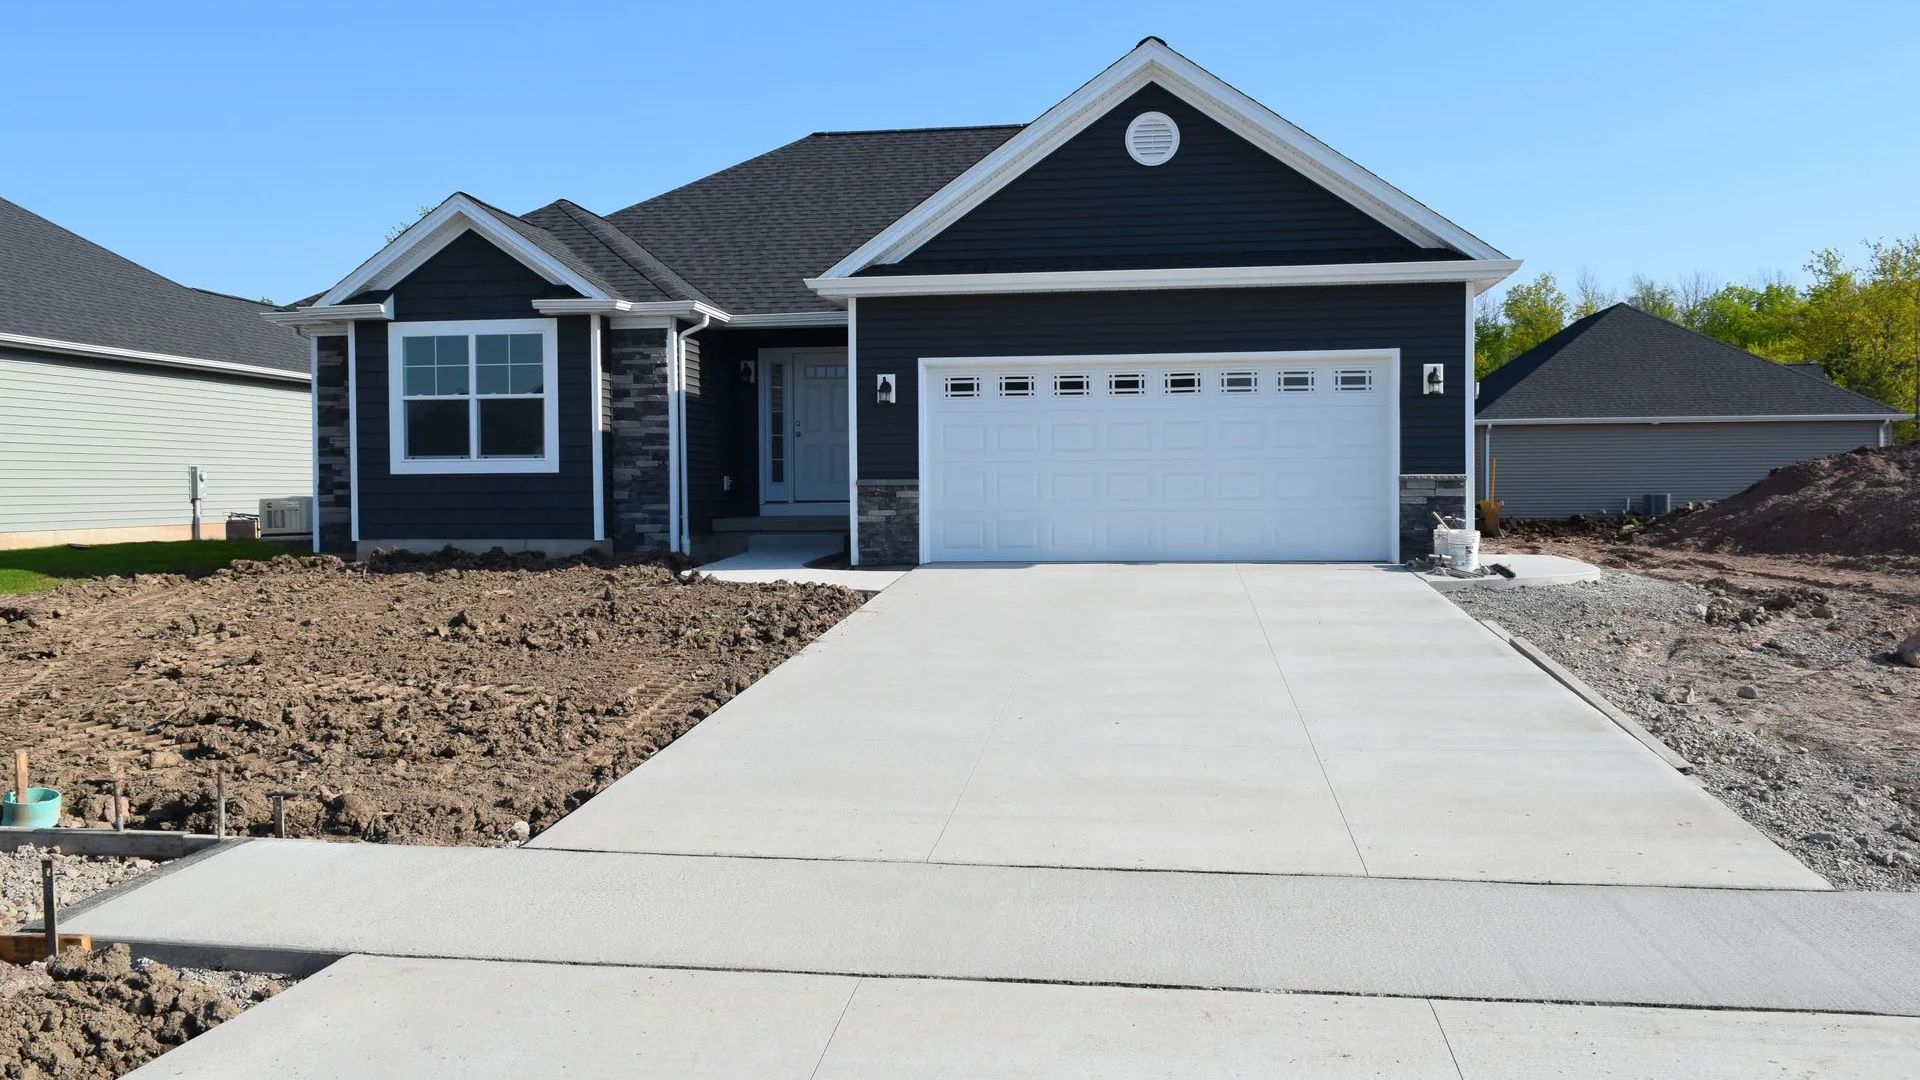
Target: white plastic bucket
<point>1461,547</point>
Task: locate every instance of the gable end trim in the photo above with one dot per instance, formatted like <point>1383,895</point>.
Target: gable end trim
<point>425,238</point>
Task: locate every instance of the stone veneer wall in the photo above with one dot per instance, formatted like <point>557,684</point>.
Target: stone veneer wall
<point>332,448</point>
<point>889,522</point>
<point>1423,495</point>
<point>635,457</point>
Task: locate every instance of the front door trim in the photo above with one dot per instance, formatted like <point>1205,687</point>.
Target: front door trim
<point>784,496</point>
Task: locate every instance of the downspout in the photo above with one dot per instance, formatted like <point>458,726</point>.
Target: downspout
<point>673,441</point>
<point>685,507</point>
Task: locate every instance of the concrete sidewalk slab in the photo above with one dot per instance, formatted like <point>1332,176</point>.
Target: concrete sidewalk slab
<point>1822,951</point>
<point>1156,717</point>
<point>377,1018</point>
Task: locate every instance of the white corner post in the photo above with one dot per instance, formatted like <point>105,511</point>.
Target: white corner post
<point>595,344</point>
<point>313,433</point>
<point>1469,387</point>
<point>853,432</point>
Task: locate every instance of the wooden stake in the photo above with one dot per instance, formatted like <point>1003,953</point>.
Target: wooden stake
<point>20,781</point>
<point>119,802</point>
<point>220,801</point>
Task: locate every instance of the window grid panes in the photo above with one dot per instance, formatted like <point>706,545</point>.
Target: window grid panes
<point>1353,379</point>
<point>1126,383</point>
<point>963,386</point>
<point>1183,382</point>
<point>1296,382</point>
<point>1016,386</point>
<point>467,396</point>
<point>1239,382</point>
<point>1072,385</point>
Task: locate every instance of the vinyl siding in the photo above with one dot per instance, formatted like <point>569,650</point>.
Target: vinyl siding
<point>1219,201</point>
<point>472,279</point>
<point>89,445</point>
<point>1555,470</point>
<point>1426,322</point>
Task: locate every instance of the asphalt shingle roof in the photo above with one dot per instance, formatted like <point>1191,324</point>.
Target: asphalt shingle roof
<point>633,272</point>
<point>1623,362</point>
<point>749,235</point>
<point>58,285</point>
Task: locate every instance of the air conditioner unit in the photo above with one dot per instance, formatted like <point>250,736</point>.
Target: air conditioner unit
<point>286,517</point>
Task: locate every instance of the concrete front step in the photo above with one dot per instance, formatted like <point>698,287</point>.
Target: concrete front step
<point>298,904</point>
<point>382,1018</point>
<point>782,523</point>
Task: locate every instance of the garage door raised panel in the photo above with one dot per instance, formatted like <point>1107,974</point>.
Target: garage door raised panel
<point>1151,459</point>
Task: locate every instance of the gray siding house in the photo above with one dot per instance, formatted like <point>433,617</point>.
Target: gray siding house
<point>114,381</point>
<point>1623,405</point>
<point>1157,323</point>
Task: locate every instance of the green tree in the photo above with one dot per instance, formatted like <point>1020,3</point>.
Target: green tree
<point>1761,319</point>
<point>1492,345</point>
<point>1654,298</point>
<point>1589,295</point>
<point>1534,312</point>
<point>1862,323</point>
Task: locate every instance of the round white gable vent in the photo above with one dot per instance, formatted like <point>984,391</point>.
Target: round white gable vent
<point>1152,138</point>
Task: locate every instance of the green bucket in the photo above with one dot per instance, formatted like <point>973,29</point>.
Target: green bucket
<point>41,812</point>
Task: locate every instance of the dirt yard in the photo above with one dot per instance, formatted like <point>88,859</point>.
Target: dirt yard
<point>467,701</point>
<point>1773,674</point>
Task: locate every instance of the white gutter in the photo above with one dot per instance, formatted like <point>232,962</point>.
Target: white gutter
<point>616,309</point>
<point>322,315</point>
<point>136,356</point>
<point>685,535</point>
<point>1483,273</point>
<point>1829,418</point>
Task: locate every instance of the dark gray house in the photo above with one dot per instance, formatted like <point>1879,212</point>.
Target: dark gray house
<point>1622,405</point>
<point>114,381</point>
<point>1159,322</point>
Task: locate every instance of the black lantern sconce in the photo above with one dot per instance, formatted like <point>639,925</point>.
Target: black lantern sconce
<point>883,389</point>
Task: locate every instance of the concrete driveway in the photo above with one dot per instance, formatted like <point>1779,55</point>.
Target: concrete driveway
<point>1264,719</point>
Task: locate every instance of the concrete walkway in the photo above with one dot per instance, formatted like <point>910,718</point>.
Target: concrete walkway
<point>375,1019</point>
<point>785,559</point>
<point>1268,719</point>
<point>1766,949</point>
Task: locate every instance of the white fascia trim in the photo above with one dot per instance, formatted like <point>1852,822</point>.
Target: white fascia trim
<point>1809,418</point>
<point>627,314</point>
<point>853,433</point>
<point>1154,62</point>
<point>424,238</point>
<point>318,320</point>
<point>1476,271</point>
<point>789,320</point>
<point>136,356</point>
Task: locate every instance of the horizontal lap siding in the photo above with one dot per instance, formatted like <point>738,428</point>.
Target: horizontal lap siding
<point>471,279</point>
<point>87,445</point>
<point>1220,200</point>
<point>1426,322</point>
<point>1562,469</point>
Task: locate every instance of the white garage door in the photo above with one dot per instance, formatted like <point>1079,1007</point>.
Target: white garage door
<point>1144,458</point>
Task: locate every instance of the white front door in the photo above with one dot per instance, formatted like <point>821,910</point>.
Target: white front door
<point>804,418</point>
<point>1251,457</point>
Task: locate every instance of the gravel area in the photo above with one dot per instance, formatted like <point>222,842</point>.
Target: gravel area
<point>1783,698</point>
<point>76,878</point>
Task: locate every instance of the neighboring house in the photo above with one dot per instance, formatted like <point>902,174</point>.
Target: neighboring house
<point>1159,322</point>
<point>1622,405</point>
<point>115,381</point>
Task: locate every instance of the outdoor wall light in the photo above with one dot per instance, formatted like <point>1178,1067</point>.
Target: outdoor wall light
<point>883,389</point>
<point>1435,377</point>
<point>747,372</point>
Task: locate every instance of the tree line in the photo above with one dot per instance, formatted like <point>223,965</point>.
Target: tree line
<point>1860,321</point>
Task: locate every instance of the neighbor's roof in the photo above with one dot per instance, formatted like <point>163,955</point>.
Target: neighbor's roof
<point>749,236</point>
<point>60,286</point>
<point>1623,362</point>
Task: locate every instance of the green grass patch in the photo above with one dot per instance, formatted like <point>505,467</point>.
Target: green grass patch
<point>30,570</point>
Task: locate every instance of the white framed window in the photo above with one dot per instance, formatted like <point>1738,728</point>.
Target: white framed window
<point>1183,382</point>
<point>963,386</point>
<point>1125,383</point>
<point>1297,382</point>
<point>1072,385</point>
<point>1239,382</point>
<point>1016,386</point>
<point>1353,379</point>
<point>473,397</point>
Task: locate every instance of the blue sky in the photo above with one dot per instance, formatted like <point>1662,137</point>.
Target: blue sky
<point>266,148</point>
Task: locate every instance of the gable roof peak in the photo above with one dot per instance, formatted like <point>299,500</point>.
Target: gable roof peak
<point>1153,61</point>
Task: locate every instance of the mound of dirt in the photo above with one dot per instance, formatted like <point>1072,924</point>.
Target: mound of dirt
<point>425,700</point>
<point>100,1015</point>
<point>1863,503</point>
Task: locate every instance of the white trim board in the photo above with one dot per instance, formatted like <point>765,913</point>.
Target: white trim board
<point>1152,61</point>
<point>1655,420</point>
<point>1482,274</point>
<point>442,225</point>
<point>136,356</point>
<point>1390,357</point>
